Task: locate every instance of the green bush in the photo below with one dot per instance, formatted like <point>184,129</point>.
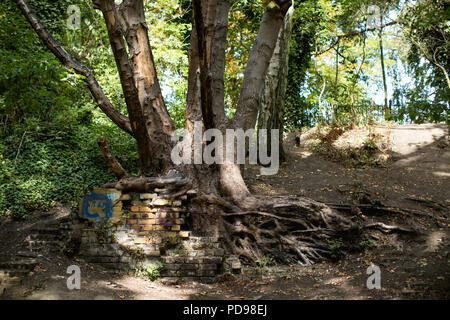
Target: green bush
<point>56,164</point>
<point>151,272</point>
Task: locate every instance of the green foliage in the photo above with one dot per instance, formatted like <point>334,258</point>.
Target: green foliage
<point>427,31</point>
<point>49,122</point>
<point>150,271</point>
<point>169,26</point>
<point>103,231</point>
<point>298,111</point>
<point>367,243</point>
<point>244,19</point>
<point>55,164</point>
<point>336,250</point>
<point>264,263</point>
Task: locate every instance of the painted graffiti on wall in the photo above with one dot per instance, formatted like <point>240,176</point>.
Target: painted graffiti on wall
<point>100,204</point>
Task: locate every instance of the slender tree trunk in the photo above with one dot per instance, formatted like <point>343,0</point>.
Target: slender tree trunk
<point>271,107</point>
<point>335,106</point>
<point>383,71</point>
<point>232,183</point>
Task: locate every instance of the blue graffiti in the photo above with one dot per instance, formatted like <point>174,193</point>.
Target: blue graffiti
<point>99,205</point>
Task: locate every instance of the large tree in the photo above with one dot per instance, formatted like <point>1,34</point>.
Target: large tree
<point>291,229</point>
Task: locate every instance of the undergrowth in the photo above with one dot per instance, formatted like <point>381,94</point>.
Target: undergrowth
<point>362,156</point>
<point>46,165</point>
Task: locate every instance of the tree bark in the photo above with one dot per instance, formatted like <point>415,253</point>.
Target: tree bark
<point>159,125</point>
<point>383,72</point>
<point>135,112</point>
<point>271,108</point>
<point>258,62</point>
<point>111,160</point>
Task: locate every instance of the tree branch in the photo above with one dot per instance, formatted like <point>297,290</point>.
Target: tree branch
<point>356,33</point>
<point>111,160</point>
<point>71,63</point>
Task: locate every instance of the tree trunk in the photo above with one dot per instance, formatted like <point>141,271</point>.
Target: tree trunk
<point>155,117</point>
<point>387,115</point>
<point>336,92</point>
<point>271,107</point>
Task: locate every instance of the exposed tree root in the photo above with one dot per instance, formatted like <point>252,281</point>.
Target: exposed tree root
<point>389,228</point>
<point>287,229</point>
<point>172,184</point>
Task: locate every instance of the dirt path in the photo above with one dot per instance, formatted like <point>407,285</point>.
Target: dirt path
<point>411,267</point>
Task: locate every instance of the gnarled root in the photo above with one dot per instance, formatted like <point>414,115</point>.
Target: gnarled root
<point>287,229</point>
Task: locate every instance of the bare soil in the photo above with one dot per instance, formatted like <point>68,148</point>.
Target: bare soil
<point>413,266</point>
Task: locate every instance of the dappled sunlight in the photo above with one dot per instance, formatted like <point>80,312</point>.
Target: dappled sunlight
<point>442,174</point>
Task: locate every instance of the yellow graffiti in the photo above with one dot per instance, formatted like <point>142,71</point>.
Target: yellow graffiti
<point>97,207</point>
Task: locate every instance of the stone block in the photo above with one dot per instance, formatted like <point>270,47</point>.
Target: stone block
<point>207,260</point>
<point>168,259</point>
<point>189,266</point>
<point>171,273</point>
<point>137,227</point>
<point>207,266</point>
<point>206,273</point>
<point>152,253</point>
<point>167,215</point>
<point>160,202</point>
<point>232,264</point>
<point>187,273</point>
<point>184,234</point>
<point>172,266</point>
<point>148,195</point>
<point>191,260</point>
<point>178,209</point>
<point>146,221</point>
<point>125,197</point>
